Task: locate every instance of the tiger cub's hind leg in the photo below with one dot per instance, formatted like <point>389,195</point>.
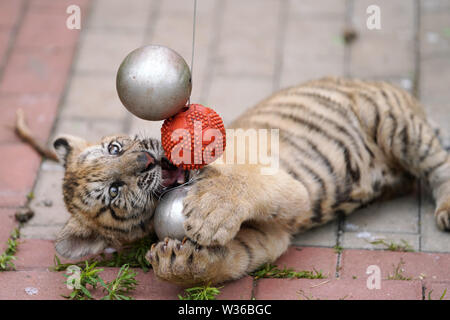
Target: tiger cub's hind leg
<point>411,142</point>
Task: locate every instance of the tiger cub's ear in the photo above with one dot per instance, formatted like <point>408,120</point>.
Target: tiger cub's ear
<point>76,241</point>
<point>65,145</point>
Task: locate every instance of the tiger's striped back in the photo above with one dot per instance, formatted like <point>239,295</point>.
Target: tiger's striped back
<point>333,139</point>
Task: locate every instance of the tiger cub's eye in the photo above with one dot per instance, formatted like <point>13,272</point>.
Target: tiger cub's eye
<point>114,148</point>
<point>113,191</point>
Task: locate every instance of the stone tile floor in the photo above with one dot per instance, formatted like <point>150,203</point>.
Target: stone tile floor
<point>244,50</point>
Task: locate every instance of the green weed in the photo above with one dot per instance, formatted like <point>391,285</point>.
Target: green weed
<point>7,257</point>
<point>272,271</point>
<point>205,292</point>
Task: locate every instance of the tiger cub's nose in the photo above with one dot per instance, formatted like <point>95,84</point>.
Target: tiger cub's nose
<point>145,160</point>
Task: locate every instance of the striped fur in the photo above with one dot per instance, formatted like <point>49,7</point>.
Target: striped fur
<point>98,212</point>
<point>343,143</point>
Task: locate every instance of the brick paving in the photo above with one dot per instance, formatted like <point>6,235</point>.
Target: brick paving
<point>65,82</point>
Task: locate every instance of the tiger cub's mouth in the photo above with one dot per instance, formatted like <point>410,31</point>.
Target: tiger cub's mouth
<point>172,175</point>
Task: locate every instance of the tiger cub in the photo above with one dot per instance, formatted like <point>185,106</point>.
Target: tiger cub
<point>342,143</point>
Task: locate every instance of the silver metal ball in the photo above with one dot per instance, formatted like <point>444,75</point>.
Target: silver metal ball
<point>154,82</point>
<point>169,217</point>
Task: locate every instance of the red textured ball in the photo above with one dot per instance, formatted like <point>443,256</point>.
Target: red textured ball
<point>193,137</point>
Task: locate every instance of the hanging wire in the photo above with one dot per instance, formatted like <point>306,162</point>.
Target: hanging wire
<point>193,45</point>
<point>193,36</point>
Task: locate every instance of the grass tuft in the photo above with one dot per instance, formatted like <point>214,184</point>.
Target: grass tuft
<point>392,246</point>
<point>271,271</point>
<point>132,255</point>
<point>89,279</point>
<point>205,292</point>
<point>7,257</point>
<point>124,283</point>
<point>338,249</point>
<point>89,275</point>
<point>440,298</point>
<point>398,272</point>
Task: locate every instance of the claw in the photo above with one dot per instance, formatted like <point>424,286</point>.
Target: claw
<point>153,246</point>
<point>184,240</point>
<point>166,240</point>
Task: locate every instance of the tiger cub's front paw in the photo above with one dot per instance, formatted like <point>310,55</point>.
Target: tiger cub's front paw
<point>186,263</point>
<point>213,214</point>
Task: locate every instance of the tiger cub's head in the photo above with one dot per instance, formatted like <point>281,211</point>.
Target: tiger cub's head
<point>110,189</point>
